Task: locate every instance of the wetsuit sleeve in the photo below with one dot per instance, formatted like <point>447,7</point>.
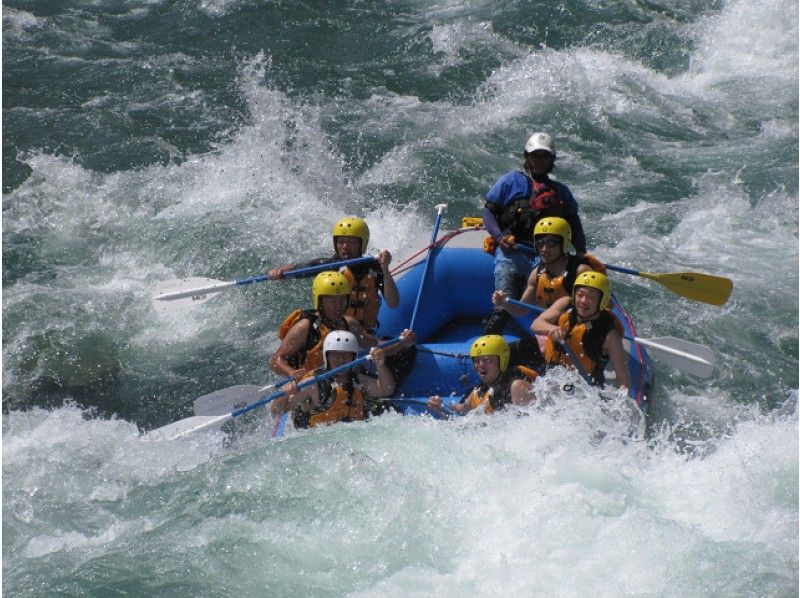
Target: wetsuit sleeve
<point>491,225</point>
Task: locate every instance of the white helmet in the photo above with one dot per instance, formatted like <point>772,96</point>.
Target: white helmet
<point>339,340</point>
<point>540,141</point>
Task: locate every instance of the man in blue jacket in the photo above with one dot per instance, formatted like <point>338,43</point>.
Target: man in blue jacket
<point>514,204</point>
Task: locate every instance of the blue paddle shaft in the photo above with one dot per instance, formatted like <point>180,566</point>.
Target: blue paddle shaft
<point>427,264</point>
<point>314,380</point>
<point>623,270</point>
<point>308,270</point>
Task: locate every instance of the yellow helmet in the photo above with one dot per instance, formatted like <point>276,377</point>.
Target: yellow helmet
<point>351,227</point>
<point>595,280</point>
<point>552,225</point>
<point>492,344</point>
<point>329,283</point>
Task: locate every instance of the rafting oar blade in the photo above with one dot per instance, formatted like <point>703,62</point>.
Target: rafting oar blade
<point>233,397</point>
<point>196,423</point>
<point>696,286</point>
<point>440,208</point>
<point>187,426</point>
<point>705,288</point>
<point>175,294</point>
<point>686,356</point>
<point>228,399</point>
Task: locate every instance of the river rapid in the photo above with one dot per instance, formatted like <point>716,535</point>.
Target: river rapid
<point>149,140</point>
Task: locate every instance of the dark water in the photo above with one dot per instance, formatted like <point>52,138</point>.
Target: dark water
<point>149,141</point>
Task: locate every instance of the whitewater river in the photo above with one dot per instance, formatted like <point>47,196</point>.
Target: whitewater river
<point>150,140</point>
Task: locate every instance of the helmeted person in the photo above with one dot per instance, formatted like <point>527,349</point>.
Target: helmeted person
<point>347,396</point>
<point>500,383</point>
<point>368,282</point>
<point>584,323</point>
<point>514,204</point>
<point>303,332</point>
<point>555,275</point>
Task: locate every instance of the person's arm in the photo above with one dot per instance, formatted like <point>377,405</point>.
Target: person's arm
<point>277,273</point>
<point>491,225</point>
<point>390,293</point>
<point>545,323</point>
<point>619,359</point>
<point>435,404</point>
<point>367,340</point>
<point>522,392</point>
<point>384,384</point>
<point>304,398</point>
<point>291,344</point>
<point>364,338</point>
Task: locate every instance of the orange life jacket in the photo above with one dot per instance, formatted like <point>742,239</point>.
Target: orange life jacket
<point>498,395</point>
<point>549,289</point>
<point>310,355</point>
<point>336,404</point>
<point>365,300</point>
<point>586,341</point>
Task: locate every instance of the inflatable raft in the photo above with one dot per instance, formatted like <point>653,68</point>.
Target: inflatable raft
<point>454,305</point>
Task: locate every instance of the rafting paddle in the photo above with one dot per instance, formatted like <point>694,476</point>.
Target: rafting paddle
<point>696,286</point>
<point>439,211</point>
<point>196,423</point>
<point>204,289</point>
<point>686,356</point>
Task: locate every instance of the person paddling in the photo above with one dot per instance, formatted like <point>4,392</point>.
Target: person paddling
<point>514,204</point>
<point>303,332</point>
<point>586,325</point>
<point>345,397</point>
<point>555,275</point>
<point>500,385</point>
<point>552,279</point>
<point>368,282</point>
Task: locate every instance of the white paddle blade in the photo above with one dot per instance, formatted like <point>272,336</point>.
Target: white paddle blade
<point>187,292</point>
<point>228,399</point>
<point>686,356</point>
<point>187,426</point>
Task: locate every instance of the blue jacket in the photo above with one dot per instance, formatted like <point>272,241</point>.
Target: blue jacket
<point>515,185</point>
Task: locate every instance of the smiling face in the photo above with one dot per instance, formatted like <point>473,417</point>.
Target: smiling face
<point>347,247</point>
<point>587,301</point>
<point>487,367</point>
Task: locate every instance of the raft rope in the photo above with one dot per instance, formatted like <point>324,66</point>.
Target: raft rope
<point>438,243</point>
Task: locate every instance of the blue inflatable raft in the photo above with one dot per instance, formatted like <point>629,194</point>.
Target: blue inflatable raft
<point>454,305</point>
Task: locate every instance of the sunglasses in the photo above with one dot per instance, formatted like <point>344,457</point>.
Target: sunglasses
<point>551,243</point>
